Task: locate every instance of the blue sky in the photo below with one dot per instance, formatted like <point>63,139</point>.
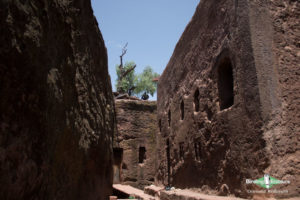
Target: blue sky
<point>151,28</point>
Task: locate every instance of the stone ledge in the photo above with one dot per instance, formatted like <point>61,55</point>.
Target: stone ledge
<point>153,190</point>
<point>136,193</point>
<point>178,194</point>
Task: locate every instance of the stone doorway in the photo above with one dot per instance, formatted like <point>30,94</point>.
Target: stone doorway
<point>118,157</point>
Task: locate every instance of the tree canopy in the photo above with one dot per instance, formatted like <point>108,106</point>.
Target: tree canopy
<point>126,83</point>
<point>136,84</point>
<point>144,83</point>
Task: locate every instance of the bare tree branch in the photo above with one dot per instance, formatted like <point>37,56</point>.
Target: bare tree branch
<point>127,71</point>
<point>123,73</point>
<point>124,50</point>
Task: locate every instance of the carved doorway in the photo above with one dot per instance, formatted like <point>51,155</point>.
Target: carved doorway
<point>118,157</point>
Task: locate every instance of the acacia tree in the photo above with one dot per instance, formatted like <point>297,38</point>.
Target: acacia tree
<point>126,84</point>
<point>144,84</point>
<point>125,74</point>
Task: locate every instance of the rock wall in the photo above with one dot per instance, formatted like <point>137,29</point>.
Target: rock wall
<point>228,101</point>
<point>56,107</point>
<point>282,125</point>
<point>136,138</point>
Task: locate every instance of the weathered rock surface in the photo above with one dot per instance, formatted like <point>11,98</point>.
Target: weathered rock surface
<point>136,137</point>
<point>56,107</point>
<point>228,100</point>
<point>282,125</point>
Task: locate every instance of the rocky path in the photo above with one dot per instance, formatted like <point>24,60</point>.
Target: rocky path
<point>182,194</point>
<point>159,193</point>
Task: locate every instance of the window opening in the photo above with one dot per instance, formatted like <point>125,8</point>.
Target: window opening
<point>182,109</point>
<point>225,84</point>
<point>118,155</point>
<point>142,154</point>
<point>124,166</point>
<point>196,100</point>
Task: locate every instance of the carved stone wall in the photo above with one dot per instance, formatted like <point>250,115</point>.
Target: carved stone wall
<point>228,100</point>
<point>135,142</point>
<point>56,106</point>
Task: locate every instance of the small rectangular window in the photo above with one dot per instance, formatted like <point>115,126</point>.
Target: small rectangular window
<point>118,155</point>
<point>142,154</point>
<point>182,110</point>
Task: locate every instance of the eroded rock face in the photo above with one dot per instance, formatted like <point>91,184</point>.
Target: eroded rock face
<point>228,99</point>
<point>136,142</point>
<point>56,107</point>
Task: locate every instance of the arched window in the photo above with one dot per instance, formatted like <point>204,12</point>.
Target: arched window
<point>182,109</point>
<point>196,100</point>
<point>225,84</point>
<point>142,154</point>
